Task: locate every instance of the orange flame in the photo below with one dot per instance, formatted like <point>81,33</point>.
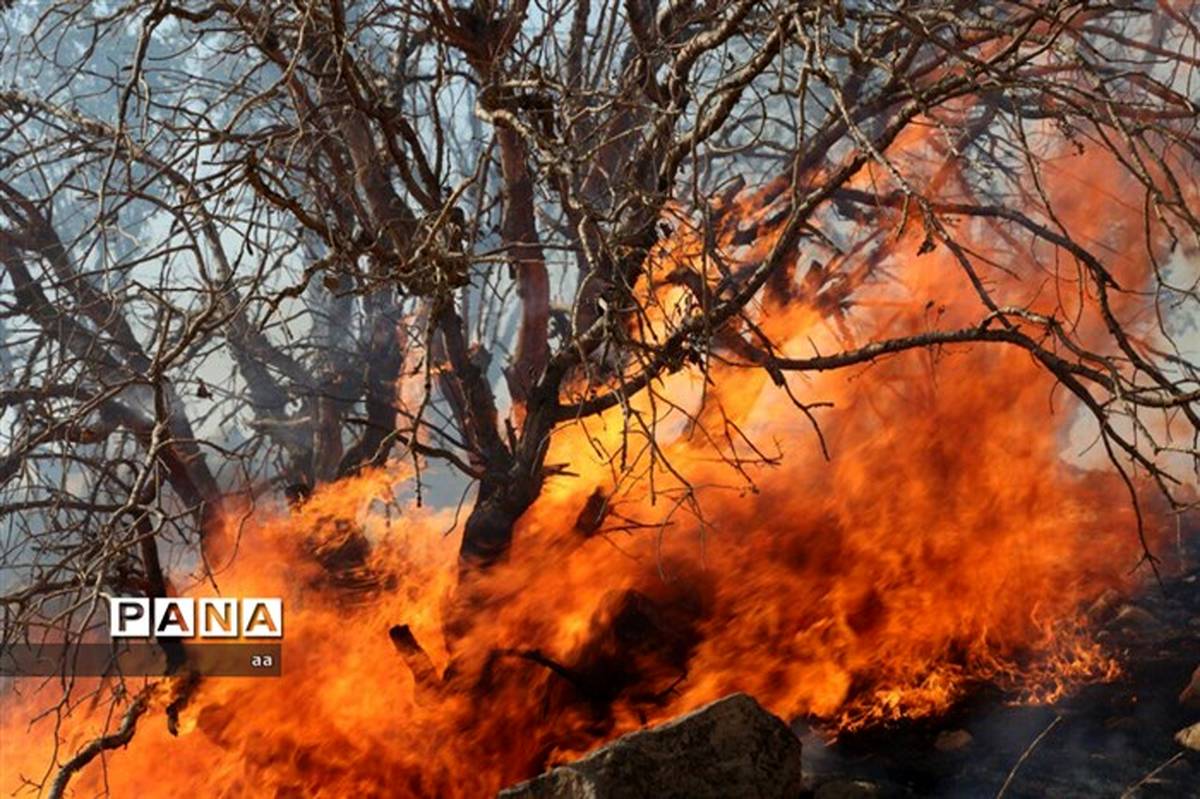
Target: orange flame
<point>946,542</point>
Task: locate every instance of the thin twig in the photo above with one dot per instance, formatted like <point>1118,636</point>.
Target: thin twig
<point>1133,788</point>
<point>1025,756</point>
<point>114,740</point>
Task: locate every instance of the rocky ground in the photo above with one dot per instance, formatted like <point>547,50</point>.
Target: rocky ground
<point>1136,736</point>
<point>1126,738</point>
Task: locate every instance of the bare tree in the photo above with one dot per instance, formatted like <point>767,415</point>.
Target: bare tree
<point>252,247</point>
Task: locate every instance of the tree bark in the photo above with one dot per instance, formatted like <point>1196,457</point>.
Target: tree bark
<point>488,532</point>
<point>519,230</point>
<point>506,493</point>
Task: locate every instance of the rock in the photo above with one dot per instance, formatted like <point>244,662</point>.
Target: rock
<point>1131,617</point>
<point>731,747</point>
<point>1102,609</point>
<point>848,789</point>
<point>1190,698</point>
<point>1189,737</point>
<point>952,740</point>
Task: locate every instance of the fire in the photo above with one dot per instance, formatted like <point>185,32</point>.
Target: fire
<point>947,541</point>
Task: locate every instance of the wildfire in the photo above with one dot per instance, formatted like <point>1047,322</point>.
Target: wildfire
<point>946,541</point>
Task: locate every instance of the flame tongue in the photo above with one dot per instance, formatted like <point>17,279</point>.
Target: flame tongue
<point>943,545</point>
<point>945,542</point>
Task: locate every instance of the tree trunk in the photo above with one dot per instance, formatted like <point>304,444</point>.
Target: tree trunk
<point>512,479</point>
<point>488,532</point>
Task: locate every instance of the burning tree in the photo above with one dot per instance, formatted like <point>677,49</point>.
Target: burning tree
<point>254,249</point>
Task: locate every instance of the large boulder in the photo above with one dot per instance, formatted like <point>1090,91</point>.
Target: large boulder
<point>729,748</point>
